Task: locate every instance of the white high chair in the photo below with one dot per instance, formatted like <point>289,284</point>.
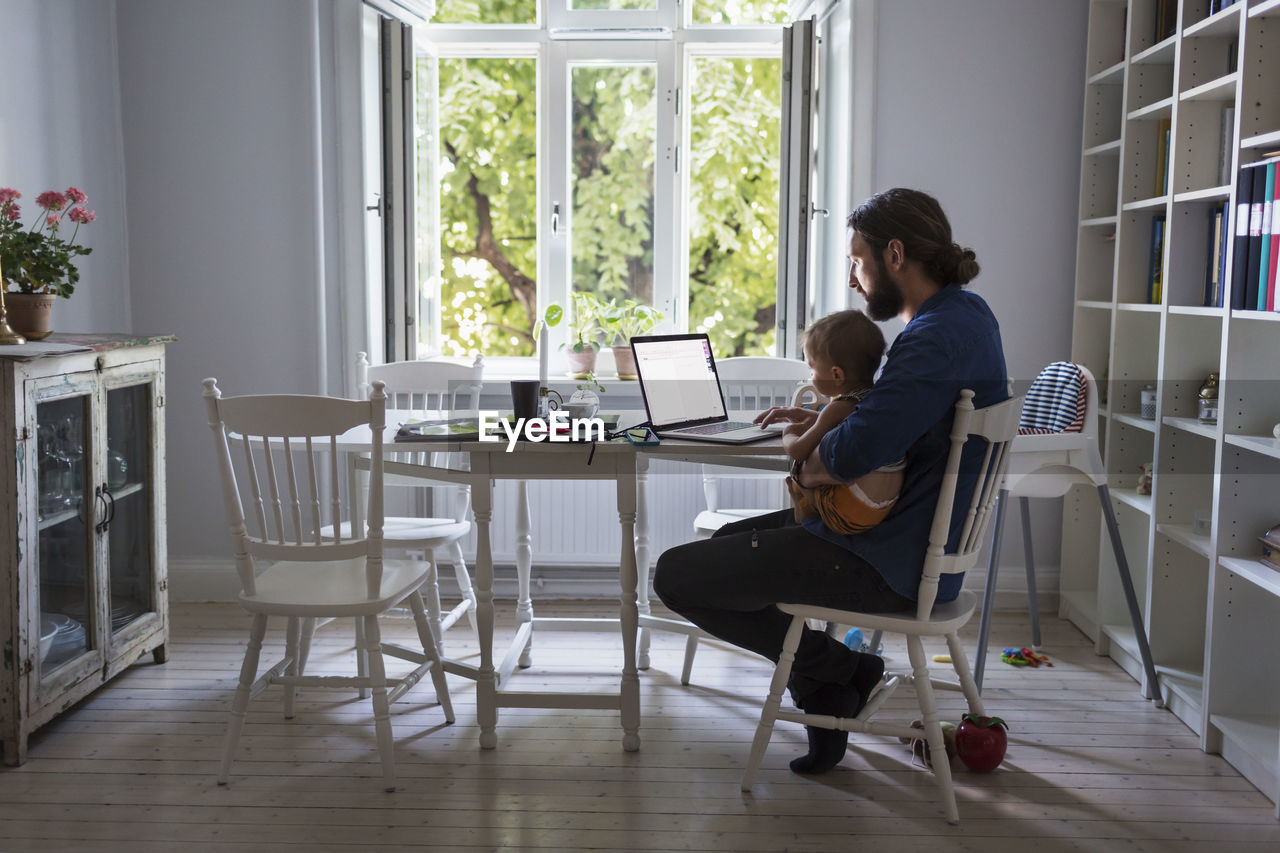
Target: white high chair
<point>1057,448</point>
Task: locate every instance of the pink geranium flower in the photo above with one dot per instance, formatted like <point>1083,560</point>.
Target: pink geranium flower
<point>76,196</point>
<point>8,194</point>
<point>51,200</point>
<point>80,216</point>
<point>13,211</point>
<point>53,220</point>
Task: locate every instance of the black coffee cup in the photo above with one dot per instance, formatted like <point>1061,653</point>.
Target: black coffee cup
<point>524,397</point>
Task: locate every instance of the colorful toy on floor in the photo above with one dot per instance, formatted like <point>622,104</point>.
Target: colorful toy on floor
<point>1024,657</point>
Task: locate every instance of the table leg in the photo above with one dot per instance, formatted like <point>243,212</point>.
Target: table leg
<point>524,566</point>
<point>642,552</point>
<point>630,618</point>
<point>486,682</point>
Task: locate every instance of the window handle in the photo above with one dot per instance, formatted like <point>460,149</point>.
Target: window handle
<point>555,218</point>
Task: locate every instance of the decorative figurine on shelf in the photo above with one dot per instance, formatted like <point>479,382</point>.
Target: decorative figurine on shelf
<point>1144,478</point>
<point>1148,403</point>
<point>1271,547</point>
<point>1208,400</point>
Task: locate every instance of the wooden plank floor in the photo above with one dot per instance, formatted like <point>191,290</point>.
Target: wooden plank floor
<point>1091,765</point>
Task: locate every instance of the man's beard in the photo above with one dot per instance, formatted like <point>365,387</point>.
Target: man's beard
<point>885,300</point>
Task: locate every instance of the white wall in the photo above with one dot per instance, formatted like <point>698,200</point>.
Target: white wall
<point>980,103</point>
<point>60,127</point>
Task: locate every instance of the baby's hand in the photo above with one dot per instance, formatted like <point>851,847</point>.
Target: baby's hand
<point>786,414</point>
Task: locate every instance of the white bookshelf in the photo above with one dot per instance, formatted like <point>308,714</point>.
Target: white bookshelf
<point>1205,598</point>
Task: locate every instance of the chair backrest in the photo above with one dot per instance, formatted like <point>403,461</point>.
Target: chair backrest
<point>997,425</point>
<point>753,383</point>
<point>441,384</point>
<point>1063,398</point>
<point>290,478</point>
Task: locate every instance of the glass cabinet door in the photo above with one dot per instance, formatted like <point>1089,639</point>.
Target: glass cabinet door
<point>65,516</point>
<point>129,491</point>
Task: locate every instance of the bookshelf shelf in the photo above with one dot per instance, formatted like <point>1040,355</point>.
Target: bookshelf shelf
<point>1262,140</point>
<point>1183,535</point>
<point>1135,421</point>
<point>1155,203</point>
<point>1266,9</point>
<point>1195,107</point>
<point>1208,194</point>
<point>1113,75</point>
<point>1157,54</point>
<point>1196,311</point>
<point>1264,444</point>
<point>1222,89</point>
<point>1264,577</point>
<point>1112,148</point>
<point>1221,24</point>
<point>1193,426</point>
<point>1099,222</point>
<point>1162,108</point>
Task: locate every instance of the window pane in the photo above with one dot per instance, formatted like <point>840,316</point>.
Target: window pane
<point>735,117</point>
<point>740,11</point>
<point>486,12</point>
<point>612,167</point>
<point>488,205</point>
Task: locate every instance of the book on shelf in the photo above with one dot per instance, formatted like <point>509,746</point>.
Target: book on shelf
<point>1166,19</point>
<point>1275,244</point>
<point>1241,228</point>
<point>1216,6</point>
<point>1264,256</point>
<point>1258,178</point>
<point>1155,270</point>
<point>1162,156</point>
<point>1215,256</point>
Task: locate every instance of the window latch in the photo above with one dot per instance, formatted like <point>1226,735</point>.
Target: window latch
<point>555,218</point>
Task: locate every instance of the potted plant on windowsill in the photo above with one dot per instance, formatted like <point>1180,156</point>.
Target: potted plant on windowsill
<point>37,263</point>
<point>624,322</point>
<point>585,332</point>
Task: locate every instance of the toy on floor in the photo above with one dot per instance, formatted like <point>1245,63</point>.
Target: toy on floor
<point>981,742</point>
<point>1024,657</point>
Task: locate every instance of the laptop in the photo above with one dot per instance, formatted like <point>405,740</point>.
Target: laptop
<point>682,393</point>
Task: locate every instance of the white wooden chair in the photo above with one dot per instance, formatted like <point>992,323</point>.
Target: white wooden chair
<point>448,387</point>
<point>750,384</point>
<point>1057,448</point>
<point>997,425</point>
<point>291,482</point>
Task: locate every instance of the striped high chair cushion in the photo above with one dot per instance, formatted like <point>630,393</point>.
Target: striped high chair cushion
<point>1056,401</point>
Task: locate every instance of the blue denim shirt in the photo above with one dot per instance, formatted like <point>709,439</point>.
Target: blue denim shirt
<point>952,343</point>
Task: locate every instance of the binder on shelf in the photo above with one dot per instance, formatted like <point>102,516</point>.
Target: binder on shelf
<point>1264,257</point>
<point>1240,240</point>
<point>1155,270</point>
<point>1275,244</point>
<point>1258,177</point>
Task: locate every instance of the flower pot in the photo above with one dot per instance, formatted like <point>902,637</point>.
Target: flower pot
<point>30,313</point>
<point>582,363</point>
<point>624,360</point>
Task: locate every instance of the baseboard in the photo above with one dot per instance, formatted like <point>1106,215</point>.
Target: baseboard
<point>211,579</point>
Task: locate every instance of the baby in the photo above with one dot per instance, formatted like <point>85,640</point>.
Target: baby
<point>843,350</point>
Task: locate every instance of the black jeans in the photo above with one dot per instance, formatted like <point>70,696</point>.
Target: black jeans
<point>730,585</point>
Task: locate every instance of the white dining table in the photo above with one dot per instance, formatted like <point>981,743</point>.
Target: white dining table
<point>618,460</point>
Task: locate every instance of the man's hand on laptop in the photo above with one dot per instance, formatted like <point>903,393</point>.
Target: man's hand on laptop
<point>786,414</point>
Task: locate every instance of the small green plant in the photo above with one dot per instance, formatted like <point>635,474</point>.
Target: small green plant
<point>629,319</point>
<point>586,329</point>
<point>590,383</point>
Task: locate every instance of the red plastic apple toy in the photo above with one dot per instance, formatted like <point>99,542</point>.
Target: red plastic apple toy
<point>981,742</point>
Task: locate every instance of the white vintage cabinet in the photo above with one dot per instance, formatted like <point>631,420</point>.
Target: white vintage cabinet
<point>82,523</point>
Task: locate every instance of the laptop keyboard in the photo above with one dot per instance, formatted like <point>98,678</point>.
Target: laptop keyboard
<point>717,428</point>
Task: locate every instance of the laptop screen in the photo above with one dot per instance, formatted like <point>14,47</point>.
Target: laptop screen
<point>678,377</point>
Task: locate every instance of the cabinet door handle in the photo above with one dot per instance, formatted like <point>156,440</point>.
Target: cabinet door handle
<point>111,508</point>
<point>98,496</point>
